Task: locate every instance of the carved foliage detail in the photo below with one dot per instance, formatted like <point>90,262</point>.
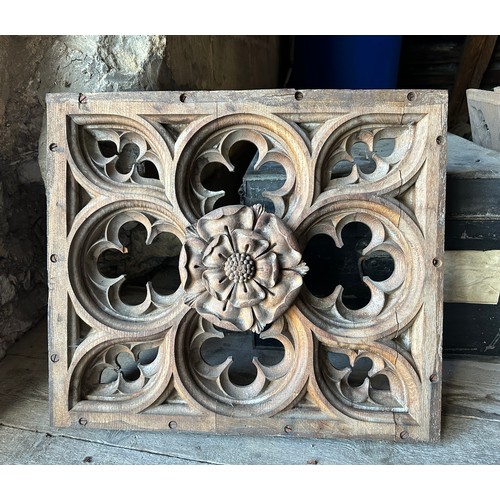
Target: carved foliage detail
<point>241,268</point>
<point>216,165</point>
<point>381,243</point>
<point>368,155</point>
<point>217,377</point>
<point>393,297</point>
<point>118,153</point>
<point>236,152</point>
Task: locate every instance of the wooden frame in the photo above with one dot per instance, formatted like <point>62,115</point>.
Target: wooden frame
<point>142,160</point>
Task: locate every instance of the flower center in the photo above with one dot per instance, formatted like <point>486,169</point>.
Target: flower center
<point>240,267</point>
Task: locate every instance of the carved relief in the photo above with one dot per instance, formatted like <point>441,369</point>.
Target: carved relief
<point>241,268</point>
<point>392,301</point>
<point>207,374</point>
<point>317,308</point>
<point>371,153</point>
<point>122,370</point>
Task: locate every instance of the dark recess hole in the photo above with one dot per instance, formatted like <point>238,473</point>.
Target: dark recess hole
<point>243,347</point>
<point>216,177</point>
<point>128,367</point>
<point>157,262</point>
<point>380,382</point>
<point>147,169</point>
<point>330,266</point>
<point>243,186</point>
<point>107,148</point>
<point>338,360</point>
<point>127,159</point>
<point>359,372</point>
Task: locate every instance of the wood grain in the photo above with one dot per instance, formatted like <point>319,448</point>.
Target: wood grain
<point>132,355</point>
<point>484,112</point>
<point>472,277</point>
<point>471,428</point>
<point>468,160</point>
<point>476,55</point>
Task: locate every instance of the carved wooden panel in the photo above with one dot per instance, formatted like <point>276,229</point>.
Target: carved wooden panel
<point>179,302</point>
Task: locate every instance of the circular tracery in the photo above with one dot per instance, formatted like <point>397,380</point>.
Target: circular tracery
<point>101,295</point>
<point>393,301</point>
<point>212,164</point>
<point>209,383</point>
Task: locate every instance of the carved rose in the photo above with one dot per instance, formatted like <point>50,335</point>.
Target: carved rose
<point>241,267</point>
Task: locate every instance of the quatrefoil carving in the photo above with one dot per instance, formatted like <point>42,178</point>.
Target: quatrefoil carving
<point>122,371</point>
<point>178,298</point>
<point>108,288</point>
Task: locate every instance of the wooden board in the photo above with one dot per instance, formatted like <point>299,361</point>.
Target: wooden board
<point>476,55</point>
<point>472,277</point>
<point>471,427</point>
<point>468,160</point>
<point>484,112</point>
<point>130,351</point>
<point>471,329</point>
<point>472,232</point>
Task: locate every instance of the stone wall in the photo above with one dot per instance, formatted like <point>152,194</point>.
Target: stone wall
<point>31,66</point>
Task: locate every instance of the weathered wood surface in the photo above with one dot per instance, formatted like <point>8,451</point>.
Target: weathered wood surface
<point>472,202</point>
<point>476,55</point>
<point>472,277</point>
<point>151,159</point>
<point>26,447</point>
<point>472,236</point>
<point>471,329</point>
<point>484,112</point>
<point>470,430</point>
<point>468,160</point>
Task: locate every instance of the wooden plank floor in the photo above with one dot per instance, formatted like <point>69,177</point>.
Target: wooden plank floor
<point>470,434</point>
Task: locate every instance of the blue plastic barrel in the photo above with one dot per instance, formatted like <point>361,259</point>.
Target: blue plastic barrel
<point>346,61</point>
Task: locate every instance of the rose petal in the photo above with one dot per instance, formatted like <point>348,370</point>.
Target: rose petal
<point>217,252</point>
<point>284,293</point>
<point>282,240</point>
<point>217,283</point>
<point>247,294</point>
<point>267,270</point>
<point>224,314</point>
<point>249,242</point>
<point>231,217</point>
<point>190,265</point>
